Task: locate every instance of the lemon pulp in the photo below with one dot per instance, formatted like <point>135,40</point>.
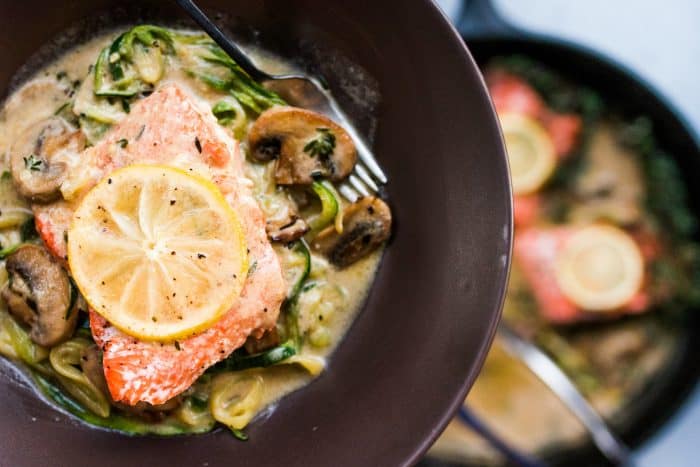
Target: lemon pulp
<point>600,268</point>
<point>158,252</point>
<point>530,152</point>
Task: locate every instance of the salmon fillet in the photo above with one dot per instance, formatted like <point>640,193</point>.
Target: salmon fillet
<point>170,127</point>
<point>535,251</point>
<point>511,93</point>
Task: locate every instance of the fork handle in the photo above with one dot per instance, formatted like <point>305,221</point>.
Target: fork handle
<point>224,42</point>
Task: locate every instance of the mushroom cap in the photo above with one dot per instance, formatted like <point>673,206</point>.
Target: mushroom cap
<point>366,225</point>
<point>36,172</point>
<point>39,293</point>
<point>307,145</point>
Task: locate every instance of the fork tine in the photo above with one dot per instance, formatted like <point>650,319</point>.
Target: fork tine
<point>348,192</point>
<point>357,183</point>
<point>366,156</point>
<point>361,172</point>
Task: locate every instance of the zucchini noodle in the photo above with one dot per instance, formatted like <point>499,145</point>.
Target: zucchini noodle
<point>64,359</point>
<point>235,398</point>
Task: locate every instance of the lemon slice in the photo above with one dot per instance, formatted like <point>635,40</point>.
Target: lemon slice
<point>157,252</point>
<point>600,268</point>
<point>530,152</point>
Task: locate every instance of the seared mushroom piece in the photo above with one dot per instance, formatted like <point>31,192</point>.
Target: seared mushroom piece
<point>39,294</point>
<point>306,145</point>
<point>366,225</point>
<point>282,222</point>
<point>91,364</point>
<point>36,172</point>
<point>290,232</point>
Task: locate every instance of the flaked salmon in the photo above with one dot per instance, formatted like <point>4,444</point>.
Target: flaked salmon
<point>170,127</point>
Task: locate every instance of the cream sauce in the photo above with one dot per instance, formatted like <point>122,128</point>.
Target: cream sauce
<point>52,87</point>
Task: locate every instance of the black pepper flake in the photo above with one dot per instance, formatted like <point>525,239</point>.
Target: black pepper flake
<point>265,309</point>
<point>154,319</point>
<point>197,144</point>
<point>103,282</point>
<point>109,181</point>
<point>172,252</point>
<point>174,294</point>
<point>177,345</point>
<point>140,133</point>
<point>201,255</point>
<point>172,201</point>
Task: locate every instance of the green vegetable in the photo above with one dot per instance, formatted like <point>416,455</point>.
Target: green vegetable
<point>238,360</point>
<point>330,206</point>
<point>225,112</point>
<point>302,249</point>
<point>65,360</point>
<point>93,129</point>
<point>125,424</point>
<point>7,251</point>
<point>133,62</point>
<point>220,72</point>
<point>29,352</point>
<point>290,307</point>
<point>229,112</point>
<point>323,145</point>
<point>27,230</point>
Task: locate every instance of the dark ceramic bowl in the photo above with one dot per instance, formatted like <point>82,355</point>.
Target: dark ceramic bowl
<point>410,357</point>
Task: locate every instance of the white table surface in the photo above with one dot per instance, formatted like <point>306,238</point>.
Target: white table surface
<point>661,42</point>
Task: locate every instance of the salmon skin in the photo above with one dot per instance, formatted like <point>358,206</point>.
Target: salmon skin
<point>171,127</point>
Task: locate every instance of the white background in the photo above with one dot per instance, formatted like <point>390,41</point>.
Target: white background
<point>660,40</point>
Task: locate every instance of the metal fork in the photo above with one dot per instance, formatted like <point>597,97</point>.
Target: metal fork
<point>557,381</point>
<point>309,93</point>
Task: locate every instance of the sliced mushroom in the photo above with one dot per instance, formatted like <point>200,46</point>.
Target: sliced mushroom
<point>306,145</point>
<point>37,170</point>
<point>287,233</point>
<point>39,294</point>
<point>366,225</point>
<point>91,364</point>
<point>282,221</point>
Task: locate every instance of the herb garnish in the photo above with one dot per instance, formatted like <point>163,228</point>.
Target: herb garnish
<point>224,112</point>
<point>33,162</point>
<point>323,145</point>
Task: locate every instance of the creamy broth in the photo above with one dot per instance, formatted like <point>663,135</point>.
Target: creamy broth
<point>50,88</point>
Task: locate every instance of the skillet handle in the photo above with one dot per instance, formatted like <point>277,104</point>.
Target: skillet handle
<point>479,18</point>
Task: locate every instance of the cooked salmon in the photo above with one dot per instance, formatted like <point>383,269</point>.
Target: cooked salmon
<point>171,127</point>
<point>510,93</point>
<point>535,251</point>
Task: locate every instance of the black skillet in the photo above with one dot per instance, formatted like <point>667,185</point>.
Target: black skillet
<point>487,35</point>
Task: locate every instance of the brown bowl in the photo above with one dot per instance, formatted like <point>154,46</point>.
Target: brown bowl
<point>408,360</point>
